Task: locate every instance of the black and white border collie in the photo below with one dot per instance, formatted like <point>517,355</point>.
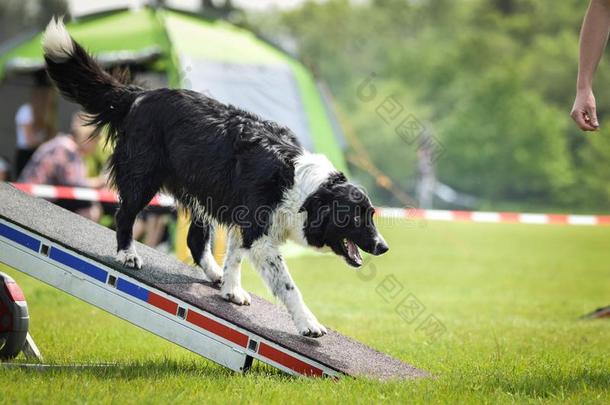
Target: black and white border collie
<point>224,165</point>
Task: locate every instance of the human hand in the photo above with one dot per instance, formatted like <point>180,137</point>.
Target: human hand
<point>584,112</point>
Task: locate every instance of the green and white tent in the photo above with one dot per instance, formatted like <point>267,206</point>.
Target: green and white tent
<point>213,57</point>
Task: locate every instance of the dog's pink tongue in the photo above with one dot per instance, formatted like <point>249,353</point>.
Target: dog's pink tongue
<point>353,252</point>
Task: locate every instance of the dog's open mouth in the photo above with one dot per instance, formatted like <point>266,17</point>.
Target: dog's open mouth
<point>351,253</point>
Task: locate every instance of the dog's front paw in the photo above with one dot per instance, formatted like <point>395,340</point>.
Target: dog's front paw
<point>308,325</point>
<point>129,258</point>
<point>213,272</point>
<point>235,294</point>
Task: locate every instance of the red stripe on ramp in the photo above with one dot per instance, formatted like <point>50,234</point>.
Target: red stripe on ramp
<point>217,328</point>
<point>288,361</point>
<point>162,303</point>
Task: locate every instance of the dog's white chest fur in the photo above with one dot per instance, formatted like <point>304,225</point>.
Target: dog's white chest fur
<point>310,172</point>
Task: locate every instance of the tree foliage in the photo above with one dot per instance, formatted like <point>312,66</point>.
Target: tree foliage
<point>493,81</point>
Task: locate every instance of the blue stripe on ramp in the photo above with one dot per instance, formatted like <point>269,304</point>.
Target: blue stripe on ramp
<point>132,289</point>
<point>19,237</point>
<point>78,264</point>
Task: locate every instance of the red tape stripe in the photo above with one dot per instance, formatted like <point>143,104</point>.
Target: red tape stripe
<point>288,361</point>
<point>217,328</point>
<point>462,215</point>
<point>107,196</point>
<point>162,303</point>
<point>557,219</point>
<point>68,193</point>
<point>65,193</point>
<point>415,213</point>
<point>26,188</point>
<point>509,217</point>
<point>603,220</point>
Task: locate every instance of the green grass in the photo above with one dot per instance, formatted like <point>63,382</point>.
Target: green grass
<point>508,296</point>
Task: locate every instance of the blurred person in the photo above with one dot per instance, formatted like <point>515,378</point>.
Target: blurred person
<point>4,170</point>
<point>426,173</point>
<point>593,40</point>
<point>35,121</point>
<point>59,162</point>
<point>150,227</point>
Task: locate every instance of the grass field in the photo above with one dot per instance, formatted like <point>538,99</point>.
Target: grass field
<point>508,297</point>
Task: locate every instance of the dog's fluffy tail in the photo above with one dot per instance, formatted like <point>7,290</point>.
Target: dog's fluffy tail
<point>81,79</point>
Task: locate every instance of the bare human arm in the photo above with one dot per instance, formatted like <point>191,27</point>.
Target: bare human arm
<point>24,121</point>
<point>30,136</point>
<point>593,39</point>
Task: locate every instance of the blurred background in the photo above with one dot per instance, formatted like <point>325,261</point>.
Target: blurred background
<point>442,104</point>
<point>432,104</point>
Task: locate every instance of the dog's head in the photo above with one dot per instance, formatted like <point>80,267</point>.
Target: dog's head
<point>340,216</point>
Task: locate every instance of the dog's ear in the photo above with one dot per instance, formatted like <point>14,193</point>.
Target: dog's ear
<point>337,178</point>
<point>318,214</point>
<point>311,203</point>
<point>324,194</point>
<point>320,197</point>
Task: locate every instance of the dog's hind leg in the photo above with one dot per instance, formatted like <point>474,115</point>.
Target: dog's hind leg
<point>131,205</point>
<point>125,218</point>
<point>199,241</point>
<point>136,189</point>
<point>267,260</point>
<point>231,289</point>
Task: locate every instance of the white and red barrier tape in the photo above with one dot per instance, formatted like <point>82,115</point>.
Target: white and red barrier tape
<point>84,194</point>
<point>161,200</point>
<point>493,217</point>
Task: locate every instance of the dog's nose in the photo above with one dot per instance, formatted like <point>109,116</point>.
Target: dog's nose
<point>380,247</point>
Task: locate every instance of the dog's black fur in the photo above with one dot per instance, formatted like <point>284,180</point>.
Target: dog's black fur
<point>224,164</point>
<point>190,144</point>
<point>220,161</point>
<point>194,147</point>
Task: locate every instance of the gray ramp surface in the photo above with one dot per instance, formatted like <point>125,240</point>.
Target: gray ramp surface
<point>166,273</point>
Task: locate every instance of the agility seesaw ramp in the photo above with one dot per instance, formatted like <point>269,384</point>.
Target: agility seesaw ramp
<point>76,255</point>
